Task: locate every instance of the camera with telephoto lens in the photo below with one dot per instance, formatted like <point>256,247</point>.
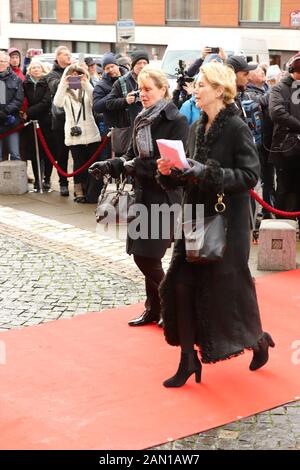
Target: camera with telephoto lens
<point>181,75</point>
<point>136,95</point>
<point>75,131</point>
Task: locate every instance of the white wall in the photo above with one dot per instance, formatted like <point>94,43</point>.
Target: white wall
<point>277,39</point>
<point>4,23</point>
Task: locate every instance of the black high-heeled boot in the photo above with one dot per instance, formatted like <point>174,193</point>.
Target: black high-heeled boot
<point>261,352</point>
<point>189,364</point>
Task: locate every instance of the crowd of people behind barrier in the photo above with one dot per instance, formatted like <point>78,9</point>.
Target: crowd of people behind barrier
<point>30,94</point>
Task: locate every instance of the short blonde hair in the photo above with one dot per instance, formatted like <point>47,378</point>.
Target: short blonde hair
<point>216,75</point>
<point>37,62</point>
<point>158,76</point>
<point>4,55</point>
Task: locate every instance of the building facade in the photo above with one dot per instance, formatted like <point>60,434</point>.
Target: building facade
<point>96,26</point>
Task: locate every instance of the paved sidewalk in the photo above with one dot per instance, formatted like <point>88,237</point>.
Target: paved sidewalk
<point>54,265</point>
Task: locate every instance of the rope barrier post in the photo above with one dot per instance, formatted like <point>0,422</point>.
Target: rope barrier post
<point>37,154</point>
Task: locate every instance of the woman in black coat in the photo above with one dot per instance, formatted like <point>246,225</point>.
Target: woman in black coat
<point>159,119</point>
<point>214,306</point>
<point>38,95</point>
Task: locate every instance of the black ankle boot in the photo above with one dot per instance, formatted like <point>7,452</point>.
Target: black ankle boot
<point>261,352</point>
<point>144,319</point>
<point>189,364</point>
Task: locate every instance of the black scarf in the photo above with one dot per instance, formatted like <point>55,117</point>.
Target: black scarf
<point>204,142</point>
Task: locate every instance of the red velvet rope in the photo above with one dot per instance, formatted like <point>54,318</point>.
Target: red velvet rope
<point>102,145</point>
<point>52,160</point>
<point>12,131</point>
<point>272,209</point>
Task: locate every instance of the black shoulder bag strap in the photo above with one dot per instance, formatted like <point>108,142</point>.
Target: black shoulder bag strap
<point>82,108</point>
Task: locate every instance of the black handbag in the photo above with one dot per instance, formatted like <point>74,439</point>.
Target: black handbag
<point>115,206</point>
<point>290,147</point>
<point>205,242</point>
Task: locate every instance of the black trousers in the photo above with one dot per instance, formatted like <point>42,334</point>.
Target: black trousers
<point>185,309</point>
<point>62,154</point>
<point>154,273</point>
<point>288,189</point>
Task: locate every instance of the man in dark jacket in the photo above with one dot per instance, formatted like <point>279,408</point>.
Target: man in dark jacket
<point>285,113</point>
<point>241,69</point>
<point>11,99</point>
<point>126,106</point>
<point>62,60</point>
<point>258,91</point>
<point>112,72</point>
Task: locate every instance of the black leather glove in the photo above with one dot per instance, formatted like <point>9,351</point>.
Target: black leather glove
<point>195,173</point>
<point>3,117</point>
<point>99,169</point>
<point>129,167</point>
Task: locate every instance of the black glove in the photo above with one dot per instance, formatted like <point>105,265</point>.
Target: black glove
<point>129,167</point>
<point>3,117</point>
<point>99,169</point>
<point>195,173</point>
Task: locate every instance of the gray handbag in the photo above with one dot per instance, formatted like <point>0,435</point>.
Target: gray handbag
<point>114,205</point>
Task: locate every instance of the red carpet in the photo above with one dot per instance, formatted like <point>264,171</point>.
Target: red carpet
<point>92,382</point>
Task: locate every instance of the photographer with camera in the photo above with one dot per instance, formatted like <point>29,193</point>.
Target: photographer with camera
<point>184,88</point>
<point>11,100</point>
<point>123,103</point>
<point>75,95</point>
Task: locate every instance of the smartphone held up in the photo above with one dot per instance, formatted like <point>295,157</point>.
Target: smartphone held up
<point>74,82</point>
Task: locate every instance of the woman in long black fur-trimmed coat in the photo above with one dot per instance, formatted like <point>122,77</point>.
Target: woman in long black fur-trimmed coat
<point>214,306</point>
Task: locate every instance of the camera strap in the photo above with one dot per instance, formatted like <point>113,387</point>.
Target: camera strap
<point>82,108</point>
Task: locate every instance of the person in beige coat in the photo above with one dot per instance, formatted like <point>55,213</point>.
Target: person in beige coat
<point>82,135</point>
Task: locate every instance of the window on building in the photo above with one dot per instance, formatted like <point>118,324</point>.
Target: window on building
<point>20,11</point>
<point>182,10</point>
<point>260,10</point>
<point>83,9</point>
<point>87,47</point>
<point>47,9</point>
<point>125,10</point>
<point>50,46</point>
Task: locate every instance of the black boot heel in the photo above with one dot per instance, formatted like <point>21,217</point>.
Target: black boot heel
<point>198,376</point>
<point>261,352</point>
<point>189,365</point>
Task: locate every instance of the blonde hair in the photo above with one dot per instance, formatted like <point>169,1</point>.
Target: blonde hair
<point>37,62</point>
<point>5,55</point>
<point>158,76</point>
<point>216,75</point>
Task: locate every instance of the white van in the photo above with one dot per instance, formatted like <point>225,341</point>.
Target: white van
<point>189,50</point>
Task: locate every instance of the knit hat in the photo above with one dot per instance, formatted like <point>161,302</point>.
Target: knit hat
<point>124,61</point>
<point>108,58</point>
<point>139,55</point>
<point>294,62</point>
<point>272,72</point>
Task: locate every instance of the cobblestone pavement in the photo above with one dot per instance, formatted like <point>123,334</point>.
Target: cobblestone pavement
<point>51,270</point>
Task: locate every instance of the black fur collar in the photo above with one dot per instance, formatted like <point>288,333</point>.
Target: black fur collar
<point>204,142</point>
